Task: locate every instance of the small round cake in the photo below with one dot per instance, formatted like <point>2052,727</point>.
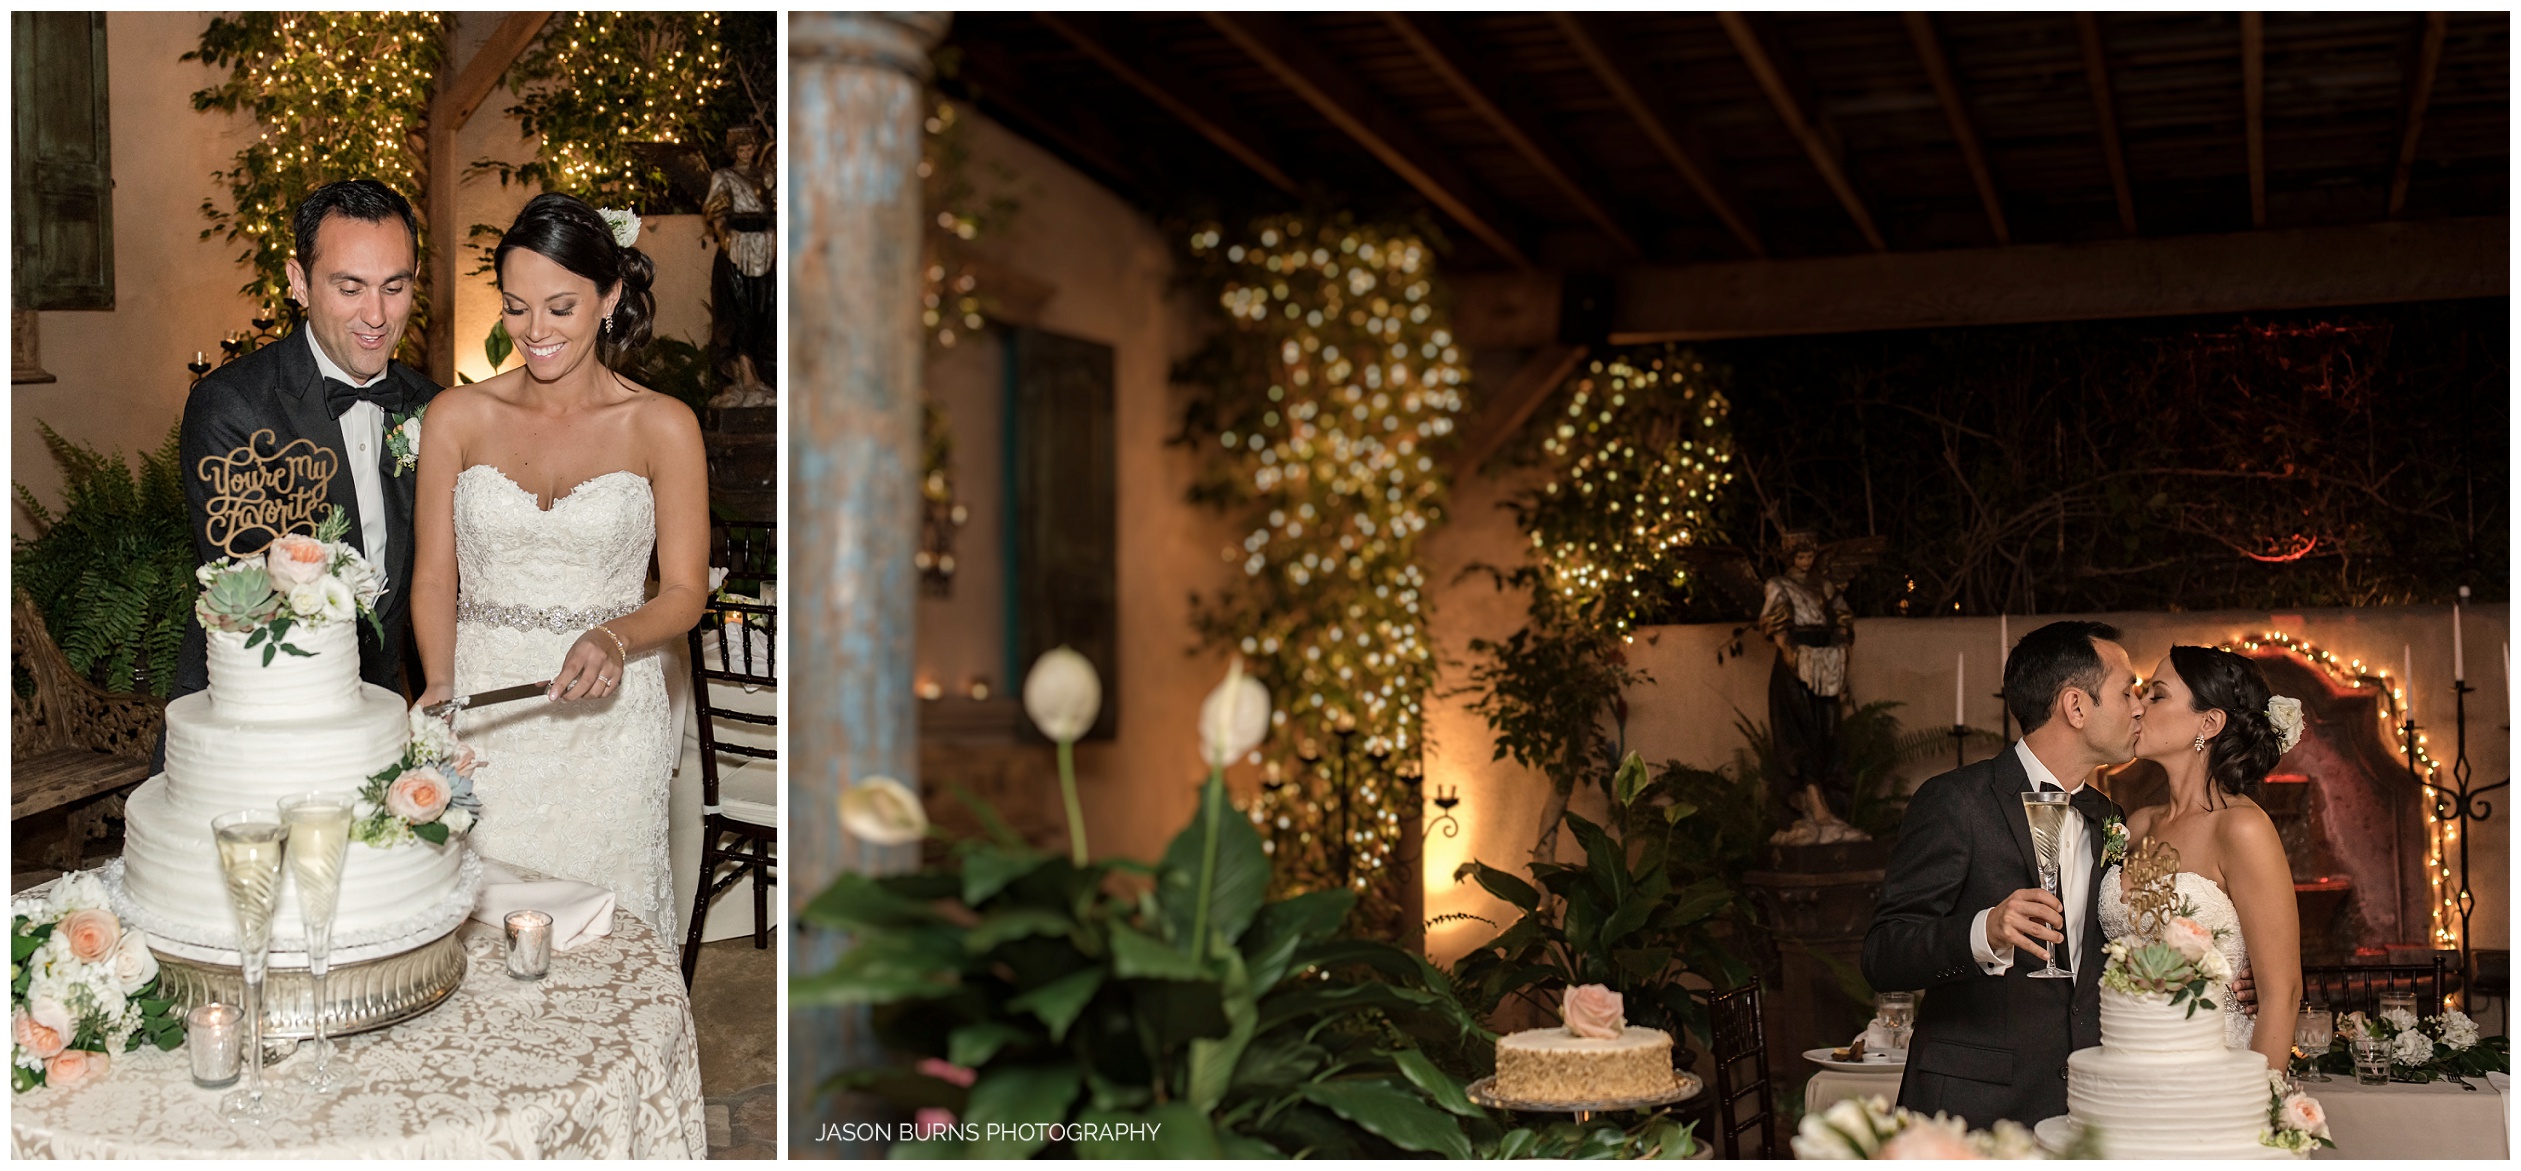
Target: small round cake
<point>1557,1066</point>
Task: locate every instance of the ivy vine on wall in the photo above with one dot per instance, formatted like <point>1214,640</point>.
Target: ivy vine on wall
<point>1331,393</point>
<point>598,86</point>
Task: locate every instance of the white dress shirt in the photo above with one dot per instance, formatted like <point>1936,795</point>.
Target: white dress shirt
<point>2074,877</point>
<point>363,432</point>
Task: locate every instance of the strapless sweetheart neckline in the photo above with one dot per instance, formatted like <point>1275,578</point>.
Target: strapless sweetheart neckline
<point>556,501</point>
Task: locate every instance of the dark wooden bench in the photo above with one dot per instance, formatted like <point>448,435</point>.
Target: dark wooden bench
<point>74,746</point>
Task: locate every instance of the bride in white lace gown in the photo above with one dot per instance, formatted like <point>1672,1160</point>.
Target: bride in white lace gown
<point>543,492</point>
<point>2212,725</point>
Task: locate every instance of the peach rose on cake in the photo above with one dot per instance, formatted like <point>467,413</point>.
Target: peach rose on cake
<point>294,560</point>
<point>418,796</point>
<point>91,934</point>
<point>74,1066</point>
<point>2302,1112</point>
<point>2188,937</point>
<point>42,1027</point>
<point>1929,1138</point>
<point>1591,1010</point>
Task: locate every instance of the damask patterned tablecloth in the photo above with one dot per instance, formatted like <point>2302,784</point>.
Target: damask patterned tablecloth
<point>598,1060</point>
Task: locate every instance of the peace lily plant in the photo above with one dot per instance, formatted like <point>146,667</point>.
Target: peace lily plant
<point>1063,695</point>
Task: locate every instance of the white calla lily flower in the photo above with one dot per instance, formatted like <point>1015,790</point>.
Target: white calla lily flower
<point>1234,719</point>
<point>1063,695</point>
<point>883,811</point>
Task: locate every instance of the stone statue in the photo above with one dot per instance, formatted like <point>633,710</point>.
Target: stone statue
<point>744,283</point>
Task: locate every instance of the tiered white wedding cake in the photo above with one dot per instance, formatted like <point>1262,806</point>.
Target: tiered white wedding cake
<point>2162,1086</point>
<point>262,732</point>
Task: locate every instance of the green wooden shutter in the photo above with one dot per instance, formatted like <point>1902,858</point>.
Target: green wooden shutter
<point>1064,579</point>
<point>62,230</point>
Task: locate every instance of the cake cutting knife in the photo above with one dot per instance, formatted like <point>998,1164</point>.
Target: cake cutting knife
<point>446,709</point>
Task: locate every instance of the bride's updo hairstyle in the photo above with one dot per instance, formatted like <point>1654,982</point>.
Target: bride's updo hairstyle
<point>565,230</point>
<point>2241,755</point>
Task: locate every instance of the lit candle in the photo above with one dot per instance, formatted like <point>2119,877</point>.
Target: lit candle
<point>2004,643</point>
<point>214,1035</point>
<point>1957,721</point>
<point>529,944</point>
<point>2407,678</point>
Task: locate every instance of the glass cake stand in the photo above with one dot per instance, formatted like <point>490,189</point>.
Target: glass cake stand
<point>1685,1086</point>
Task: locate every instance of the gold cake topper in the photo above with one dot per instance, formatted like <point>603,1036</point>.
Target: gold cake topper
<point>2152,882</point>
<point>265,489</point>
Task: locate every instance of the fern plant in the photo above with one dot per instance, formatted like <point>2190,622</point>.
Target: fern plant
<point>113,571</point>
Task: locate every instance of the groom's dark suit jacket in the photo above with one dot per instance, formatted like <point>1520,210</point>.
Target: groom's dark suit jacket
<point>278,388</point>
<point>1986,1047</point>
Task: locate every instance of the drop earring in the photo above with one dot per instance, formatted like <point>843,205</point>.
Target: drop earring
<point>2200,743</point>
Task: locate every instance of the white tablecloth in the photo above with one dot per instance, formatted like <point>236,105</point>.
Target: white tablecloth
<point>732,915</point>
<point>2437,1120</point>
<point>596,1060</point>
<point>1831,1086</point>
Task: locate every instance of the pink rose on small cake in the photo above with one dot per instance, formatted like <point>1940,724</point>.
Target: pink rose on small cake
<point>91,934</point>
<point>1591,1010</point>
<point>296,559</point>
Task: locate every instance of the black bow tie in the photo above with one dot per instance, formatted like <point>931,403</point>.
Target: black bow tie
<point>2089,802</point>
<point>340,396</point>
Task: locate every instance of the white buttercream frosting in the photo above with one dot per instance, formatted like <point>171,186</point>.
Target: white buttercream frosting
<point>324,681</point>
<point>2163,1086</point>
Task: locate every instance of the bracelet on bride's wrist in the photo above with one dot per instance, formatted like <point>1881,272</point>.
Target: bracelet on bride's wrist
<point>618,644</point>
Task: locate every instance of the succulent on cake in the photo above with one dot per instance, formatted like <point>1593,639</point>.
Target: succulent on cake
<point>425,795</point>
<point>297,580</point>
<point>82,986</point>
<point>2167,951</point>
<point>2295,1121</point>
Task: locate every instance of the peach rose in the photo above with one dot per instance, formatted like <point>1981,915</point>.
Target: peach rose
<point>74,1066</point>
<point>295,560</point>
<point>91,934</point>
<point>2187,937</point>
<point>417,796</point>
<point>42,1027</point>
<point>2302,1112</point>
<point>1926,1140</point>
<point>1591,1010</point>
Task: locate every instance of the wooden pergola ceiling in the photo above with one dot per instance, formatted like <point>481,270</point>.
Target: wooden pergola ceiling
<point>1553,141</point>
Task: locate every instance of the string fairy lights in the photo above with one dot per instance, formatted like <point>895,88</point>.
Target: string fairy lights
<point>1340,383</point>
<point>1639,454</point>
<point>600,84</point>
<point>2354,675</point>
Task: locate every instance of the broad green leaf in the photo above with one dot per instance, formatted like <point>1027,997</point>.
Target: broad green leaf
<point>1674,812</point>
<point>1283,1059</point>
<point>1236,1146</point>
<point>855,902</point>
<point>1058,1002</point>
<point>1212,1059</point>
<point>1440,1086</point>
<point>1699,900</point>
<point>1015,923</point>
<point>1645,963</point>
<point>1011,1097</point>
<point>886,966</point>
<point>1134,956</point>
<point>1505,886</point>
<point>1398,1116</point>
<point>988,869</point>
<point>971,1046</point>
<point>1284,926</point>
<point>1631,915</point>
<point>1603,859</point>
<point>1630,780</point>
<point>1179,1131</point>
<point>990,823</point>
<point>1241,882</point>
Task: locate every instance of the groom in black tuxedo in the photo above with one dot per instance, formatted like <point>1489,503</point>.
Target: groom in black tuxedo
<point>1962,915</point>
<point>272,440</point>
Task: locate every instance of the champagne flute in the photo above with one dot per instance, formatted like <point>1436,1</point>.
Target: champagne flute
<point>2312,1033</point>
<point>2047,809</point>
<point>319,835</point>
<point>251,845</point>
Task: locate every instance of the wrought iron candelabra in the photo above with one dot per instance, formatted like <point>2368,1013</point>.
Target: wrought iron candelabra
<point>2456,805</point>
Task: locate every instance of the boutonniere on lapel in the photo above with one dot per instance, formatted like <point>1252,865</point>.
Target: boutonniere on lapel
<point>2113,840</point>
<point>402,440</point>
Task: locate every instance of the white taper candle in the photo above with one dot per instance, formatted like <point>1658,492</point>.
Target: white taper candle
<point>1957,691</point>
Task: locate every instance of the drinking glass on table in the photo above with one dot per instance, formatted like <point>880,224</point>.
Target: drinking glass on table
<point>2047,810</point>
<point>2372,1060</point>
<point>319,836</point>
<point>2312,1033</point>
<point>251,844</point>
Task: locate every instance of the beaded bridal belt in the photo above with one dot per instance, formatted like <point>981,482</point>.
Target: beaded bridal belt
<point>556,619</point>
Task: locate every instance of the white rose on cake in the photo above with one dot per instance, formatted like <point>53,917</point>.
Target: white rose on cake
<point>432,736</point>
<point>325,599</point>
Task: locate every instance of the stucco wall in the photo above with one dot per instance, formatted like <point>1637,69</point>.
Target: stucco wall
<point>121,372</point>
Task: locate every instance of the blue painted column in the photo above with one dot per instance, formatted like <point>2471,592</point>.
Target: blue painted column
<point>854,355</point>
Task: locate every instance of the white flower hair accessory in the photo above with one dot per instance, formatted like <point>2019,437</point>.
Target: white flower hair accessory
<point>624,222</point>
<point>2284,712</point>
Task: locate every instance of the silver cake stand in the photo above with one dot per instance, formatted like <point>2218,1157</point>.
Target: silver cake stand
<point>1684,1087</point>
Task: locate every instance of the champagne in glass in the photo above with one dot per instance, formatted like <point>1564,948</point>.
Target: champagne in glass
<point>2312,1033</point>
<point>319,835</point>
<point>2047,810</point>
<point>251,845</point>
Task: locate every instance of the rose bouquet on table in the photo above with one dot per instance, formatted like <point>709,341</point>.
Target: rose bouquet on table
<point>426,795</point>
<point>81,986</point>
<point>2295,1121</point>
<point>1869,1128</point>
<point>298,580</point>
<point>2422,1049</point>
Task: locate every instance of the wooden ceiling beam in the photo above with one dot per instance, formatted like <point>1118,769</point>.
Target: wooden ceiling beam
<point>1428,35</point>
<point>1804,119</point>
<point>2254,108</point>
<point>1921,32</point>
<point>999,83</point>
<point>1123,54</point>
<point>1513,404</point>
<point>2419,98</point>
<point>2096,73</point>
<point>1621,72</point>
<point>1335,94</point>
<point>459,95</point>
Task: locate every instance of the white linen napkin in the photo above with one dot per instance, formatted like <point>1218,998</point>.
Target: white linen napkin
<point>579,911</point>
